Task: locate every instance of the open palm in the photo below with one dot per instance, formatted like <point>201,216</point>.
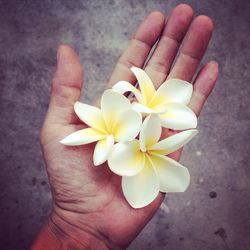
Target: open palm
<point>89,199</point>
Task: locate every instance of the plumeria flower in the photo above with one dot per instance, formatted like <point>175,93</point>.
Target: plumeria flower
<point>114,122</point>
<point>169,101</point>
<point>145,169</point>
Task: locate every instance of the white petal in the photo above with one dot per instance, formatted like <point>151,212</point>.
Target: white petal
<point>128,125</point>
<point>141,189</point>
<point>113,103</point>
<point>124,86</point>
<point>102,150</point>
<point>83,136</point>
<point>126,159</point>
<point>172,175</point>
<point>145,83</point>
<point>173,90</point>
<point>174,142</point>
<point>90,115</point>
<point>150,132</point>
<point>146,110</point>
<point>178,117</point>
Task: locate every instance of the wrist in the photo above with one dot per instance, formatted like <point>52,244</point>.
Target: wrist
<point>72,235</point>
<point>57,234</point>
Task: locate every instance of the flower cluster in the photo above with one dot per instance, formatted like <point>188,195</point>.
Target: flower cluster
<point>128,135</point>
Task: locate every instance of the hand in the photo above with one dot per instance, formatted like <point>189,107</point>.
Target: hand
<point>88,205</point>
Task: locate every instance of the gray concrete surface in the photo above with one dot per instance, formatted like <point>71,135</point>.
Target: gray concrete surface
<point>215,212</point>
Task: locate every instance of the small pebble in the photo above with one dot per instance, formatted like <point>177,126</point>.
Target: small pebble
<point>212,194</point>
<point>198,153</point>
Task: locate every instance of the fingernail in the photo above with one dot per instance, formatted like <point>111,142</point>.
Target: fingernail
<point>214,62</point>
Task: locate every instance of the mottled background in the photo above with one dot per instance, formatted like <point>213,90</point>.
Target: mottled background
<point>215,211</point>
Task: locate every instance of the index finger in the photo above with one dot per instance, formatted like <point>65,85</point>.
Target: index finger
<point>139,47</point>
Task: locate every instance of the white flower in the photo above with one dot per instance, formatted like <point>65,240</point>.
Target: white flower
<point>169,101</point>
<point>142,163</point>
<point>114,122</point>
<point>145,169</point>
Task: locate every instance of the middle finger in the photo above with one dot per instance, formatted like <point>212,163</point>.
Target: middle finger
<point>162,58</point>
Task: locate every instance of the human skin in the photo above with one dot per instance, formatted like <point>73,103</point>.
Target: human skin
<point>89,209</point>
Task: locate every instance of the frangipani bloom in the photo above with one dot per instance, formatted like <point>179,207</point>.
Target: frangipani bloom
<point>145,169</point>
<point>169,101</point>
<point>114,122</point>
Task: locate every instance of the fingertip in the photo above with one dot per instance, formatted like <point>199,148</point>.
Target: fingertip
<point>214,64</point>
<point>156,15</point>
<point>65,52</point>
<point>62,49</point>
<point>69,70</point>
<point>179,22</point>
<point>213,68</point>
<point>183,8</point>
<point>150,28</point>
<point>198,37</point>
<point>66,86</point>
<point>204,22</point>
<point>65,48</point>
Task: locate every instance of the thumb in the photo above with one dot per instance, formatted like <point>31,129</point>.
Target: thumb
<point>66,87</point>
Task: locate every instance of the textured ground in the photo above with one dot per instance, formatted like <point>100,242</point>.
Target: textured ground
<point>215,212</point>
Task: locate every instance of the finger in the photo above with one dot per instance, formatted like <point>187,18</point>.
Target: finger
<point>66,87</point>
<point>140,45</point>
<point>194,47</point>
<point>161,60</point>
<point>203,86</point>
